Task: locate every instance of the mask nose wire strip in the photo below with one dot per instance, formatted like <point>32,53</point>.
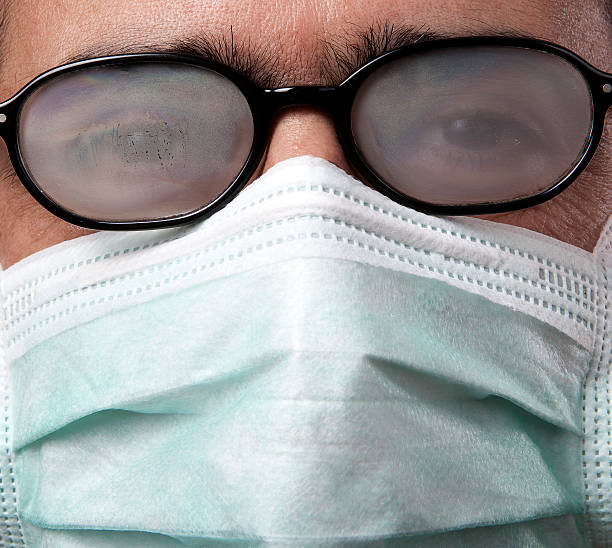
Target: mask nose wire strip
<point>11,532</point>
<point>597,414</point>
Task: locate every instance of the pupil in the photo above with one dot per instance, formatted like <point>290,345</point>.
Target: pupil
<point>474,133</point>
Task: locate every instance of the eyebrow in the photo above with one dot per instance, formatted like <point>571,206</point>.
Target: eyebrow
<point>339,57</point>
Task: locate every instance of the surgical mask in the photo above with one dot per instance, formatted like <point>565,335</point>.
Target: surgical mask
<point>314,365</point>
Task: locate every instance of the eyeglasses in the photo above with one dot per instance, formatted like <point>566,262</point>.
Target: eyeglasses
<point>459,126</point>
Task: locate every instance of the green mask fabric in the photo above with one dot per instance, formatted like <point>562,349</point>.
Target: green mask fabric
<point>314,365</point>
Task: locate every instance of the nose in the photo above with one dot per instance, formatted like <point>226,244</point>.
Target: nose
<point>296,131</point>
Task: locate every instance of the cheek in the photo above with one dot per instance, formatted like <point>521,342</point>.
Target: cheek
<point>27,227</point>
<point>603,157</point>
<point>579,214</point>
<point>304,130</point>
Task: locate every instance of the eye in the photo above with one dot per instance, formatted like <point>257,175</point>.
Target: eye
<point>476,132</point>
<point>486,133</point>
<point>472,125</point>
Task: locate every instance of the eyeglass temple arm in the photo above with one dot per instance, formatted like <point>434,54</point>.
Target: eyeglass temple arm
<point>607,89</point>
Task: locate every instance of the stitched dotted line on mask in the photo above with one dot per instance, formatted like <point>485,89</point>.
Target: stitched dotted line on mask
<point>591,506</point>
<point>561,281</point>
<point>84,262</point>
<point>477,266</point>
<point>578,296</point>
<point>369,205</point>
<point>581,277</point>
<point>270,243</point>
<point>11,524</point>
<point>569,296</point>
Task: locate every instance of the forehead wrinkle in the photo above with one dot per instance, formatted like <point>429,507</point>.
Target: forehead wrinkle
<point>334,49</point>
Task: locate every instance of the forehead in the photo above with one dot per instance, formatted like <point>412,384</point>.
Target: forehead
<point>40,34</point>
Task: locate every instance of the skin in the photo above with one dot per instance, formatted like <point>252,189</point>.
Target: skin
<point>40,34</point>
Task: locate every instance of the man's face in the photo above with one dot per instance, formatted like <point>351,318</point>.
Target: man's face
<point>291,43</point>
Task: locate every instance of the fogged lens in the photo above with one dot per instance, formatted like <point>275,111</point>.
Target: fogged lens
<point>473,125</point>
<point>135,141</point>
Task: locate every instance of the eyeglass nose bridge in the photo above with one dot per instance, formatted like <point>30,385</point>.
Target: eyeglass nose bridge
<point>317,96</point>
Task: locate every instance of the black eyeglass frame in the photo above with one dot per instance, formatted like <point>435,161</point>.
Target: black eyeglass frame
<point>337,100</point>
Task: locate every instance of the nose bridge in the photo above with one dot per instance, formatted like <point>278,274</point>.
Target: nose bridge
<point>317,96</point>
<point>305,124</point>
